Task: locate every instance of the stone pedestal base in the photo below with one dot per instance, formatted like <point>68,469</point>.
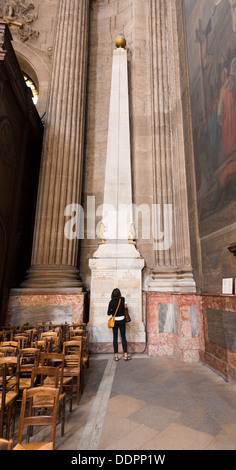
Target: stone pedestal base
<point>181,281</point>
<point>42,305</point>
<point>126,274</point>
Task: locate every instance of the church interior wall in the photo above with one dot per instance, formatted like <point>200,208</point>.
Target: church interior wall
<point>210,37</point>
<point>205,48</point>
<point>211,40</point>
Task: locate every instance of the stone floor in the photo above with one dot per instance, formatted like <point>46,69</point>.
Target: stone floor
<point>151,403</point>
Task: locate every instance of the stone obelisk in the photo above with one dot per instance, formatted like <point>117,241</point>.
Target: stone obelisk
<point>117,262</point>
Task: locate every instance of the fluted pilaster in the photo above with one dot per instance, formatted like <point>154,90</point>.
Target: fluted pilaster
<point>54,257</point>
<point>173,270</point>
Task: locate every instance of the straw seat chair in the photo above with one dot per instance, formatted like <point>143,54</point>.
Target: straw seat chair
<point>9,390</point>
<point>57,360</point>
<point>47,376</point>
<point>29,358</point>
<point>73,366</point>
<point>46,419</point>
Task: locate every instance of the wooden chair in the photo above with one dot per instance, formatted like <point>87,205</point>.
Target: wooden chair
<point>85,351</point>
<point>33,334</point>
<point>77,332</point>
<point>9,390</point>
<point>29,359</point>
<point>6,444</point>
<point>43,345</point>
<point>46,394</point>
<point>48,376</point>
<point>54,337</point>
<point>73,364</point>
<point>7,334</point>
<point>84,346</point>
<point>22,339</point>
<point>57,359</point>
<point>34,331</point>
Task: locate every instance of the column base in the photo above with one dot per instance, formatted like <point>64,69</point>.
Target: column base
<point>35,306</point>
<point>178,281</point>
<point>62,276</point>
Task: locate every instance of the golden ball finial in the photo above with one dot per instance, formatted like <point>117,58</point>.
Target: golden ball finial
<point>120,42</point>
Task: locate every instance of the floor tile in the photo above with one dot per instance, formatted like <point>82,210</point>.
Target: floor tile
<point>124,405</point>
<point>230,429</point>
<point>115,427</point>
<point>221,442</point>
<point>177,437</point>
<point>155,417</point>
<point>134,439</point>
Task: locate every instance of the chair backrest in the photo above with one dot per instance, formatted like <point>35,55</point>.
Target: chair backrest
<point>7,334</point>
<point>5,444</point>
<point>78,325</point>
<point>22,339</point>
<point>9,369</point>
<point>54,359</point>
<point>72,347</point>
<point>9,350</point>
<point>29,359</point>
<point>72,351</point>
<point>54,337</point>
<point>43,345</point>
<point>38,420</point>
<point>49,334</point>
<point>14,344</point>
<point>42,372</point>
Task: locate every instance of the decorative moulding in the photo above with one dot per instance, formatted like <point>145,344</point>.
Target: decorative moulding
<point>19,16</point>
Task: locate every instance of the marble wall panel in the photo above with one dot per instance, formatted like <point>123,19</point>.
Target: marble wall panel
<point>168,319</point>
<point>194,321</point>
<point>58,308</point>
<point>56,313</point>
<point>175,326</point>
<point>222,328</point>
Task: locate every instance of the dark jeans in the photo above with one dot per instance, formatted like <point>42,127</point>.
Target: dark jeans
<point>119,325</point>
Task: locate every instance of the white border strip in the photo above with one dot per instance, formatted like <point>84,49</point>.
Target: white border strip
<point>92,431</point>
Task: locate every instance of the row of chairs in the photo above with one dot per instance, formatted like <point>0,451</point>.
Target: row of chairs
<point>27,335</point>
<point>33,375</point>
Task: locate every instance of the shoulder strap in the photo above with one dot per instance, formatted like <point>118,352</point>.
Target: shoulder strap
<point>117,307</point>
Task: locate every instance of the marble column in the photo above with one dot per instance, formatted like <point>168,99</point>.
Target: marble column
<point>54,256</point>
<point>53,290</point>
<point>173,269</point>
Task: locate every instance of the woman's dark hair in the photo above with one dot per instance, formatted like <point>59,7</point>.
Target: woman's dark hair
<point>116,294</point>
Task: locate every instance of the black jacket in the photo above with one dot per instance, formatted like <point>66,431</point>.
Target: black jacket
<point>113,306</point>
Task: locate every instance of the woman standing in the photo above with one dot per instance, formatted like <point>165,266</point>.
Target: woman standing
<point>117,305</point>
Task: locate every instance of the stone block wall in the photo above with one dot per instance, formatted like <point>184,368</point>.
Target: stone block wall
<point>219,319</point>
